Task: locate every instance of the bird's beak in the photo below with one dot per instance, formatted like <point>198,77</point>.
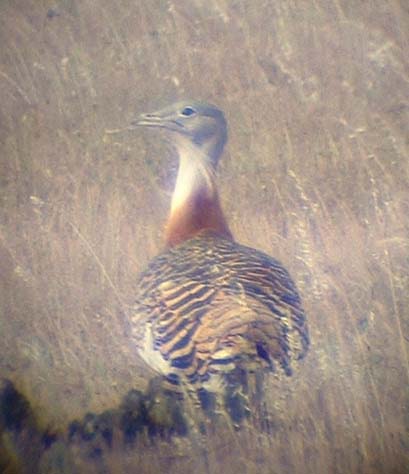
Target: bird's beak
<point>148,120</point>
<point>159,121</point>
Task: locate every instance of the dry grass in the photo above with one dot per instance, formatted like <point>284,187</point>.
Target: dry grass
<point>316,174</point>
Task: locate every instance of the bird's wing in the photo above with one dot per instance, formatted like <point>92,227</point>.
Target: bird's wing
<point>251,314</point>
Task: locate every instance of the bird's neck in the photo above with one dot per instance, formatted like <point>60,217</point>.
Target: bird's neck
<point>195,202</point>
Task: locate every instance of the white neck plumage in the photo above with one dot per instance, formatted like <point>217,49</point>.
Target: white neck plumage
<point>194,174</point>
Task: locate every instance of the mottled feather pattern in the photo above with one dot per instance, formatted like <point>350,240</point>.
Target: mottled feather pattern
<point>210,305</point>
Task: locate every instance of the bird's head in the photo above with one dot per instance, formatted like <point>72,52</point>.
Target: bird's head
<point>193,125</point>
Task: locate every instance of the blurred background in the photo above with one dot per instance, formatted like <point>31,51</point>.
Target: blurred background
<point>315,173</point>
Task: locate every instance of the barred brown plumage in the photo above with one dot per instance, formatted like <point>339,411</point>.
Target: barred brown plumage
<point>210,303</point>
<point>207,305</point>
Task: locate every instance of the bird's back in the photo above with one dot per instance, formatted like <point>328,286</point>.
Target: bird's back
<point>210,305</point>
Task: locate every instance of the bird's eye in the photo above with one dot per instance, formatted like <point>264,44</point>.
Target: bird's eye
<point>188,111</point>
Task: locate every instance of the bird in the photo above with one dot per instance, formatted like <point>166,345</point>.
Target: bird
<point>207,306</point>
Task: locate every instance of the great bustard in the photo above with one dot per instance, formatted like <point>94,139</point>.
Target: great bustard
<point>208,306</point>
<point>207,309</point>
